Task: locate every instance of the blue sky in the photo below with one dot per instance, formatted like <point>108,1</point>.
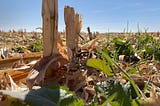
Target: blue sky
<point>100,15</point>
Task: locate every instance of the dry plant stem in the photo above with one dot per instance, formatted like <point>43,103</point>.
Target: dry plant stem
<point>52,48</point>
<point>50,27</point>
<point>89,33</point>
<point>10,62</point>
<point>73,27</point>
<point>71,38</point>
<point>91,45</point>
<point>78,22</point>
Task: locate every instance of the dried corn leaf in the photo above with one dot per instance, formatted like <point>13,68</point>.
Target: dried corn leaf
<point>46,66</point>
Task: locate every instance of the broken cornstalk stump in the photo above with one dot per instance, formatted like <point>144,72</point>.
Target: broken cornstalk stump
<point>78,24</point>
<point>50,27</point>
<point>54,55</point>
<point>89,33</point>
<point>73,27</point>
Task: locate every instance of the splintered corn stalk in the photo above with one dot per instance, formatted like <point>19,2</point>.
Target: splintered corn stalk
<point>78,22</point>
<point>73,27</point>
<point>54,55</point>
<point>50,27</point>
<point>70,27</point>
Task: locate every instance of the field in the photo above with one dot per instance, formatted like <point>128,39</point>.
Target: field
<point>109,69</point>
